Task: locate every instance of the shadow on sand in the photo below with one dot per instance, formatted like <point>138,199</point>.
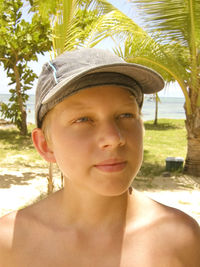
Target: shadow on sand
<point>7,180</point>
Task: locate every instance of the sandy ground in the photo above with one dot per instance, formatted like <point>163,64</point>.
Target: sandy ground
<point>19,188</point>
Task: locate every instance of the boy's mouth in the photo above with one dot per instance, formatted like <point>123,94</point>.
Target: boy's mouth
<point>111,165</point>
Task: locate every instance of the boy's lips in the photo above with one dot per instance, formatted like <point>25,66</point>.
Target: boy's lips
<point>111,165</point>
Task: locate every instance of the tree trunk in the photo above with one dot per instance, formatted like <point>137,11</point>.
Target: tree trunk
<point>156,110</point>
<point>22,124</point>
<point>50,180</point>
<point>192,163</point>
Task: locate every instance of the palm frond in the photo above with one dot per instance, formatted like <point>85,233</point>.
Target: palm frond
<point>171,61</point>
<point>67,33</point>
<point>174,18</point>
<point>102,6</point>
<point>64,26</point>
<point>177,21</point>
<point>113,24</point>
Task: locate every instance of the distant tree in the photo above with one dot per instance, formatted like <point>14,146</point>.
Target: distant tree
<point>20,42</point>
<point>157,100</point>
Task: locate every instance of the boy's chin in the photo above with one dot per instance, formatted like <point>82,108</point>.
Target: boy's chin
<point>112,191</point>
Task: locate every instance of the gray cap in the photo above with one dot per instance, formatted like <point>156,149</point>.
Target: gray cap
<point>80,69</point>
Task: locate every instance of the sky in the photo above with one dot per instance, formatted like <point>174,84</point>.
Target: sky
<point>172,90</point>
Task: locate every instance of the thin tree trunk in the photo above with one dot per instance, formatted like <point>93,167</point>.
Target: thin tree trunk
<point>50,179</point>
<point>192,163</point>
<point>23,124</point>
<point>156,110</point>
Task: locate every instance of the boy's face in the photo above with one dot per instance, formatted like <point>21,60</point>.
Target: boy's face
<point>97,139</point>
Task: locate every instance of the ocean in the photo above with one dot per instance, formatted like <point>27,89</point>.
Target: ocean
<point>169,107</point>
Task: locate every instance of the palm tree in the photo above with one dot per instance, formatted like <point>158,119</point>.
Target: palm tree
<point>173,50</point>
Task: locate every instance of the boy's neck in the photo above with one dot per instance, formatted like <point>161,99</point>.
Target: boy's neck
<point>93,210</point>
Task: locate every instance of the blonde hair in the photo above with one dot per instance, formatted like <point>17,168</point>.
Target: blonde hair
<point>45,126</point>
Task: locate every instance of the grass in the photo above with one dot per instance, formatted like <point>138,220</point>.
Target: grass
<point>168,138</point>
<point>18,151</point>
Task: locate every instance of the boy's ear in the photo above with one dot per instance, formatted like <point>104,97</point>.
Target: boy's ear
<point>42,146</point>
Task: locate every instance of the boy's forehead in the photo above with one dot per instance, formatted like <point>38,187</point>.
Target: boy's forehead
<point>99,94</point>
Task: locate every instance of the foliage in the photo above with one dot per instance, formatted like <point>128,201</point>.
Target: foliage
<point>20,43</point>
<point>170,60</point>
<point>86,20</point>
<point>12,110</point>
<point>173,19</point>
<point>71,20</point>
<point>114,24</point>
<point>178,23</point>
<point>78,23</point>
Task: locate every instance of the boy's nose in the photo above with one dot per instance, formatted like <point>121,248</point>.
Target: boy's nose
<point>111,136</point>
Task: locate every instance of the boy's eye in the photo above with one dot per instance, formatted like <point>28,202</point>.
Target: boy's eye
<point>82,119</point>
<point>127,115</point>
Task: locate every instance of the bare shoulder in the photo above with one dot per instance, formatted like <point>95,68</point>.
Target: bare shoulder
<point>171,232</point>
<point>178,221</point>
<point>168,216</point>
<point>181,231</point>
<point>7,225</point>
<point>19,230</point>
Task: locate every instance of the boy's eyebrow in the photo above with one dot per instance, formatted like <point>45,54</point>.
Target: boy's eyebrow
<point>79,105</point>
<point>74,107</point>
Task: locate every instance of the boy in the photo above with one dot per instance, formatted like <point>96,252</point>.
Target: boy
<point>88,121</point>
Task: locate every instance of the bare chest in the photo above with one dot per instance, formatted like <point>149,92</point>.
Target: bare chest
<point>107,253</point>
